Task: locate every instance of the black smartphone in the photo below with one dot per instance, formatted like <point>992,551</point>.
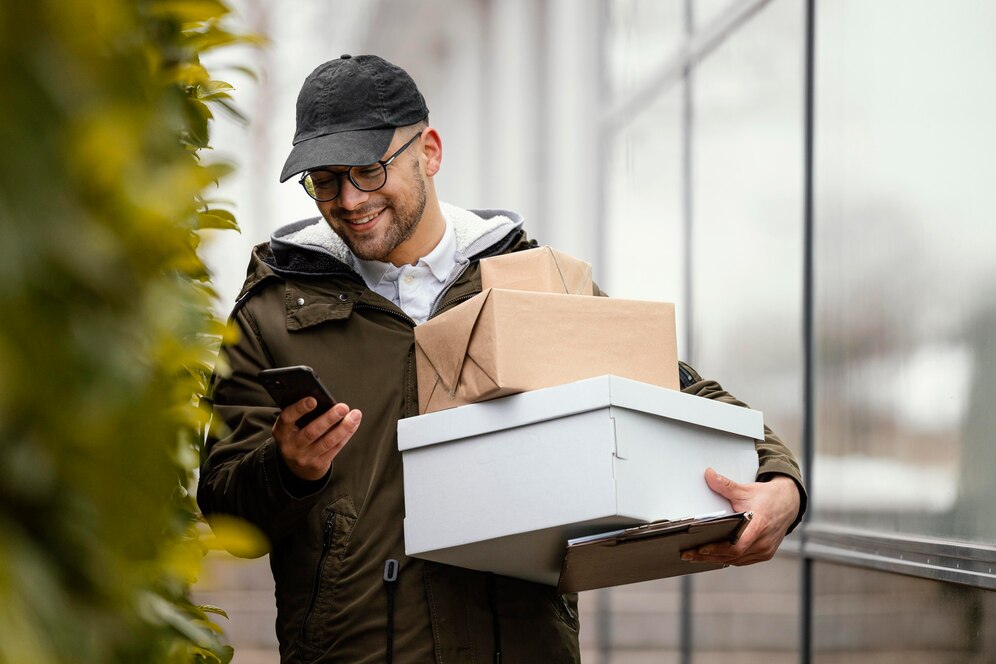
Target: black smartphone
<point>288,385</point>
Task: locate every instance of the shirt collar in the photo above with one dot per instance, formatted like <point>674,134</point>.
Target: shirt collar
<point>440,261</point>
<point>443,257</point>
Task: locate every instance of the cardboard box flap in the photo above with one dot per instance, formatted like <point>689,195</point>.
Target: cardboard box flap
<point>446,346</point>
<point>575,275</point>
<point>577,397</point>
<point>643,553</point>
<point>543,269</point>
<point>576,278</point>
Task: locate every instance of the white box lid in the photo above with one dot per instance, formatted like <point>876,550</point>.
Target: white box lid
<point>572,398</point>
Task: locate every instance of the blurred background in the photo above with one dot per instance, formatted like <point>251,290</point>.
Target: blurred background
<point>811,183</point>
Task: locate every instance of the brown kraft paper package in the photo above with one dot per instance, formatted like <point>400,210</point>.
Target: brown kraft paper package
<point>503,342</point>
<point>543,270</point>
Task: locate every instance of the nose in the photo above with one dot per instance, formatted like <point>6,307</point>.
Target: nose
<point>349,196</point>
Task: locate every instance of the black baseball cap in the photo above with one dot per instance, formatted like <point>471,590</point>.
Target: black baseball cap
<point>347,112</point>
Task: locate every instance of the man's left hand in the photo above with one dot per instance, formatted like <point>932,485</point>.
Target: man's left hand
<point>775,505</point>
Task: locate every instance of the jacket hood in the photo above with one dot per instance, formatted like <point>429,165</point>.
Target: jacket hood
<point>475,231</point>
<point>311,247</point>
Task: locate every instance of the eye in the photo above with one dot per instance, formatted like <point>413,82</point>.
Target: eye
<point>369,171</point>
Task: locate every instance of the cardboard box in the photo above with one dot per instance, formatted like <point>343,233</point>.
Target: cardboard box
<point>543,270</point>
<point>502,486</point>
<point>503,342</point>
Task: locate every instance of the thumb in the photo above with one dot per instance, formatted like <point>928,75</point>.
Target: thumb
<point>724,486</point>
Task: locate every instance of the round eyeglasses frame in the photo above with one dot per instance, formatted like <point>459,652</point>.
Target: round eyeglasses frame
<point>309,186</point>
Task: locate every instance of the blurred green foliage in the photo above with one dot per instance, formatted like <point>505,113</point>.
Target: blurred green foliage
<point>106,326</point>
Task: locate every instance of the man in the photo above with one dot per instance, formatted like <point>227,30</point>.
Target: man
<point>343,293</point>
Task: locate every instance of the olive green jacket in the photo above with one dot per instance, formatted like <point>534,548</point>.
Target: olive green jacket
<point>330,539</point>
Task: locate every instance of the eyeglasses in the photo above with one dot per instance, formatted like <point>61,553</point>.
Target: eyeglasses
<point>323,185</point>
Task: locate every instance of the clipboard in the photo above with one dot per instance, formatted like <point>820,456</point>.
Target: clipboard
<point>643,553</point>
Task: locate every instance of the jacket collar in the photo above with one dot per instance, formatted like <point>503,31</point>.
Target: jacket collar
<point>310,248</point>
<point>474,231</point>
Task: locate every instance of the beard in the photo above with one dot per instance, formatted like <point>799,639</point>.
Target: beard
<point>405,217</point>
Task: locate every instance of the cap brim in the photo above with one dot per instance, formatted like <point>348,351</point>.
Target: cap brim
<point>346,148</point>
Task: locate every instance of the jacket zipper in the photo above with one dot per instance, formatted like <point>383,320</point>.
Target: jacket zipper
<point>450,282</point>
<point>411,399</point>
<point>455,300</point>
<point>326,547</point>
<point>397,314</point>
<point>405,317</point>
<point>493,250</point>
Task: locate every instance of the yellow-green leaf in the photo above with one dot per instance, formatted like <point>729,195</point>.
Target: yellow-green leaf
<point>213,220</point>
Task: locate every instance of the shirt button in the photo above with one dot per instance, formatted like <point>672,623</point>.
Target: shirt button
<point>409,278</point>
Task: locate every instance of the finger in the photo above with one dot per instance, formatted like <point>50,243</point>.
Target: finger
<point>724,486</point>
<point>336,437</point>
<point>714,556</point>
<point>730,549</point>
<point>749,560</point>
<point>317,428</point>
<point>757,555</point>
<point>751,534</point>
<point>714,553</point>
<point>703,560</point>
<point>288,416</point>
<point>762,550</point>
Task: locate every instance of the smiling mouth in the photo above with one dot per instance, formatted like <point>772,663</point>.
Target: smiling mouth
<point>362,223</point>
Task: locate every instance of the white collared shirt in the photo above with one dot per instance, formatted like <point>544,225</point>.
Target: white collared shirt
<point>413,287</point>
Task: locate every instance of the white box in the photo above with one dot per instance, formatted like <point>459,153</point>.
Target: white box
<point>501,486</point>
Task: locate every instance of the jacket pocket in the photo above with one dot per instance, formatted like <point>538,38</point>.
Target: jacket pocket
<point>307,309</point>
<point>337,526</point>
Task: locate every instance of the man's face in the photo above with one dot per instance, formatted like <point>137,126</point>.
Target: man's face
<point>373,224</point>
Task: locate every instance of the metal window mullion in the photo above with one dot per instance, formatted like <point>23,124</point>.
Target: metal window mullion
<point>806,637</point>
<point>602,145</point>
<point>603,605</point>
<point>685,640</point>
<point>695,47</point>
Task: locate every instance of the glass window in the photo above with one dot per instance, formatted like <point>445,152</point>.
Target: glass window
<point>635,623</point>
<point>747,243</point>
<point>862,615</point>
<point>706,11</point>
<point>643,207</point>
<point>750,613</point>
<point>747,216</point>
<point>905,276</point>
<point>641,35</point>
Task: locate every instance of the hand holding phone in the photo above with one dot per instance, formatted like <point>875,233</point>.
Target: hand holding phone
<point>288,385</point>
<point>306,450</point>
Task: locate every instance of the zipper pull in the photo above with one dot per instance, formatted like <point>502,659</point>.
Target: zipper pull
<point>390,570</point>
<point>390,580</point>
<point>327,535</point>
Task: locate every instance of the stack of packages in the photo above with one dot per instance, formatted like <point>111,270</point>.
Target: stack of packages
<point>537,325</point>
<point>549,415</point>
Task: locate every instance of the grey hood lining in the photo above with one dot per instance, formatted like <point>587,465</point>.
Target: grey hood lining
<point>474,230</point>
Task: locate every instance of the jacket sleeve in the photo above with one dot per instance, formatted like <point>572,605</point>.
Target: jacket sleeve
<point>242,473</point>
<point>773,456</point>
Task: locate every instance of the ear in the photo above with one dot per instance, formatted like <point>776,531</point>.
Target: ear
<point>432,150</point>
